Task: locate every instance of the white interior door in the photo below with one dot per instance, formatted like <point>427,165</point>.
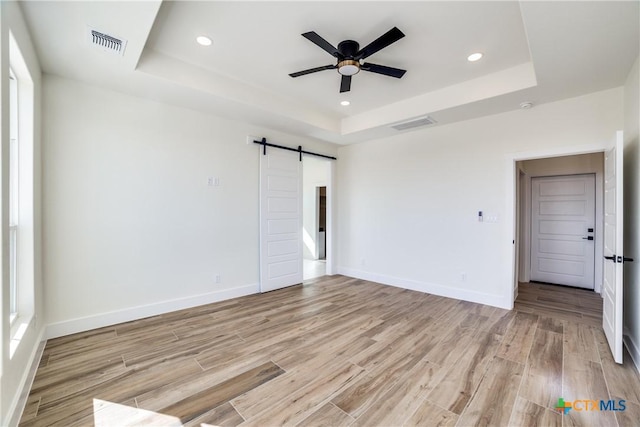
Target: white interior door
<point>563,212</point>
<point>280,219</point>
<point>613,248</point>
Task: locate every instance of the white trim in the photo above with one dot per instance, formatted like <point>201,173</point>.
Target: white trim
<point>430,288</point>
<point>512,176</point>
<point>73,326</point>
<point>20,398</point>
<point>331,231</point>
<point>632,347</point>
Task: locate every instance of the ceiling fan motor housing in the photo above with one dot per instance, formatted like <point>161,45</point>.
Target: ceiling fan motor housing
<point>348,66</point>
<point>348,48</point>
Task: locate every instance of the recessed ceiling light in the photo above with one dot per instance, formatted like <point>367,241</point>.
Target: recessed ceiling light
<point>204,40</point>
<point>474,57</point>
<point>345,103</point>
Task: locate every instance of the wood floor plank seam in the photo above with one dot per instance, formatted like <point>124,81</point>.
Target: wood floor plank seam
<point>511,416</point>
<point>239,413</point>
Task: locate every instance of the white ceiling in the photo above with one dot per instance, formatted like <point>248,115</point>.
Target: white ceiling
<point>534,51</point>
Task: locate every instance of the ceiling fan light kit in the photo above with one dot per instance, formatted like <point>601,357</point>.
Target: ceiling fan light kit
<point>348,67</point>
<point>349,55</point>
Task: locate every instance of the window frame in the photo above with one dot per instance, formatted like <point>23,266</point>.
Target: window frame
<point>14,195</point>
<point>23,110</point>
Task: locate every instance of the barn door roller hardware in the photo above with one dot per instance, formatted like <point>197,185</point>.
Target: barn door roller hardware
<point>299,150</point>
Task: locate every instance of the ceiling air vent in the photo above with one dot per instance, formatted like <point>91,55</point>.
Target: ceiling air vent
<point>420,121</point>
<point>106,42</point>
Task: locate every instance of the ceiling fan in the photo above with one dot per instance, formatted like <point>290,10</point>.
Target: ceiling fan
<point>349,55</point>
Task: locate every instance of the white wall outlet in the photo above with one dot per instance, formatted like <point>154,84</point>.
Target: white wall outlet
<point>213,181</point>
<point>217,278</point>
<point>463,276</point>
<point>363,261</point>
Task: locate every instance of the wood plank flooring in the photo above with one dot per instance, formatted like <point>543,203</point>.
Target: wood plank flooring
<point>340,352</point>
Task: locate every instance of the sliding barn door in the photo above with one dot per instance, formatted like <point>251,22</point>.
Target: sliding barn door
<point>280,219</point>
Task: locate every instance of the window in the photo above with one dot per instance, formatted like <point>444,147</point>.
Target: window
<point>13,197</point>
<point>21,200</point>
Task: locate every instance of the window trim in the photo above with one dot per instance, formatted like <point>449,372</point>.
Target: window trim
<point>14,196</point>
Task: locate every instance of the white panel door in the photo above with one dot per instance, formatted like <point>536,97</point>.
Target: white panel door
<point>563,230</point>
<point>613,249</point>
<point>280,219</point>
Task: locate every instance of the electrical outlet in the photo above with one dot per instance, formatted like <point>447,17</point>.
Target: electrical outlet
<point>217,278</point>
<point>213,181</point>
<point>363,261</point>
<point>463,276</point>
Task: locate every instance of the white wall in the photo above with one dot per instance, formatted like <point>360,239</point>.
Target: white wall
<point>565,165</point>
<point>632,213</point>
<point>408,204</point>
<point>14,371</point>
<point>315,173</point>
<point>131,226</point>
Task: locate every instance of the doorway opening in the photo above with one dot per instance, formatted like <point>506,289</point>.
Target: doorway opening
<point>559,228</point>
<point>609,228</point>
<point>552,196</point>
<point>315,191</point>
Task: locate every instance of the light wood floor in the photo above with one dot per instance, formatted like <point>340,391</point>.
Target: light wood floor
<point>339,352</point>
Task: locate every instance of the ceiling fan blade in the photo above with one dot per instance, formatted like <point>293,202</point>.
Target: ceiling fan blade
<point>391,36</point>
<point>312,36</point>
<point>345,84</point>
<point>383,69</point>
<point>313,70</point>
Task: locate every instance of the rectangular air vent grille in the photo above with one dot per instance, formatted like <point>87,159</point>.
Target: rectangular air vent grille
<point>422,121</point>
<point>106,42</point>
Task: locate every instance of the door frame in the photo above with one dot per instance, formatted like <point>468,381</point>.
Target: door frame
<point>331,230</point>
<point>318,186</point>
<point>513,174</point>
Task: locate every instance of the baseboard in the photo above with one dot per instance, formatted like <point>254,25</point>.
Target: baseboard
<point>20,399</point>
<point>431,288</point>
<point>82,324</point>
<point>632,348</point>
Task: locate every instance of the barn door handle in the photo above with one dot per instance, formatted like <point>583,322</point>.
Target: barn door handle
<point>588,238</point>
<point>625,259</point>
<point>612,258</point>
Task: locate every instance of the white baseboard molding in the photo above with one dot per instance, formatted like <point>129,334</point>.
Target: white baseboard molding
<point>20,399</point>
<point>82,324</point>
<point>500,301</point>
<point>632,347</point>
